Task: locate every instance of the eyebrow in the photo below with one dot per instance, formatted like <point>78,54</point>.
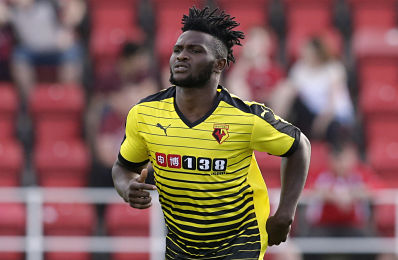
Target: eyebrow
<point>190,45</point>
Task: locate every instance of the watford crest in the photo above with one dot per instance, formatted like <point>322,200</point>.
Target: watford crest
<point>220,132</point>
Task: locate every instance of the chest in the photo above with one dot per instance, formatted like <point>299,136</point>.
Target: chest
<point>216,146</point>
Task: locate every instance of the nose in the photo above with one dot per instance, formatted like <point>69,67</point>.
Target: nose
<point>182,56</point>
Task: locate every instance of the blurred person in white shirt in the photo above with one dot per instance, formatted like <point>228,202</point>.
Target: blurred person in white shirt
<point>45,31</point>
<point>316,93</point>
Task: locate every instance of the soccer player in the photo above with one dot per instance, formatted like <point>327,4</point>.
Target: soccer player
<point>200,141</point>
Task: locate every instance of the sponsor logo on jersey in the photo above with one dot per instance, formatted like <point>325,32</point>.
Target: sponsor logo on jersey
<point>215,166</point>
<point>220,132</point>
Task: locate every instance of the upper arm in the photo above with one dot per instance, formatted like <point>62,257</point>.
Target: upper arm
<point>304,144</point>
<point>133,150</point>
<point>120,166</point>
<point>272,134</point>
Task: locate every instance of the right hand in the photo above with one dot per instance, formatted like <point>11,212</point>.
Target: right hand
<point>136,195</point>
<point>277,230</point>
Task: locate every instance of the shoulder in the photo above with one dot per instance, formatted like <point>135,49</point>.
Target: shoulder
<point>249,107</point>
<point>151,101</point>
<point>159,96</point>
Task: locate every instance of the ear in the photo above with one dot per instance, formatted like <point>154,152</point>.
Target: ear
<point>219,65</point>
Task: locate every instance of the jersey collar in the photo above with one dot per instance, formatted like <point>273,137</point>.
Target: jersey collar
<point>220,93</point>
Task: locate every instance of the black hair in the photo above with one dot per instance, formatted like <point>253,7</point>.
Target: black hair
<point>129,49</point>
<point>218,24</point>
<point>320,48</point>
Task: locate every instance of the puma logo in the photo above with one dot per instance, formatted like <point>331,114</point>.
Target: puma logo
<point>163,128</point>
<point>264,111</point>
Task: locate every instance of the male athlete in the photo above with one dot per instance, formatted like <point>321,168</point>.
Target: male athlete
<point>200,141</point>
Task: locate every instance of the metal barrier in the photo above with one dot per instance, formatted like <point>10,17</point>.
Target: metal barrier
<point>35,243</point>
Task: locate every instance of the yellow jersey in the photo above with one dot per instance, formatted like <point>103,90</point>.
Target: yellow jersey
<point>211,191</point>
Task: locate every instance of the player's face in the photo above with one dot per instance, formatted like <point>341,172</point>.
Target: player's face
<point>192,61</point>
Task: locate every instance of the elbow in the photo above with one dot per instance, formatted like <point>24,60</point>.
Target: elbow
<point>115,168</point>
<point>304,149</point>
<point>305,144</point>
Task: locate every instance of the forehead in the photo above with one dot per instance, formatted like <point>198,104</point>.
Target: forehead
<point>195,38</point>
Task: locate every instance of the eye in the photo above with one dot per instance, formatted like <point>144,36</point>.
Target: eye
<point>196,50</point>
<point>176,50</point>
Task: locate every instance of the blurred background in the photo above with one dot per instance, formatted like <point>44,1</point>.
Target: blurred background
<point>71,69</point>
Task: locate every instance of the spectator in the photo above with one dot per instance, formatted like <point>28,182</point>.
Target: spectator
<point>316,94</point>
<point>341,197</point>
<point>255,74</point>
<point>114,93</point>
<point>6,42</point>
<point>46,35</point>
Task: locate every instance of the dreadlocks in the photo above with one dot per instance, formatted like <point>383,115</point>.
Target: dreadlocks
<point>218,25</point>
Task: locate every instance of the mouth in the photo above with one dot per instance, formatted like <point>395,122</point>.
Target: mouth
<point>179,68</point>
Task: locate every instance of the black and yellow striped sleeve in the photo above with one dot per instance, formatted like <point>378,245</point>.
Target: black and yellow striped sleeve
<point>271,133</point>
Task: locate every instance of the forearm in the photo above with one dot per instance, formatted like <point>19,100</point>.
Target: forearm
<point>121,178</point>
<point>294,170</point>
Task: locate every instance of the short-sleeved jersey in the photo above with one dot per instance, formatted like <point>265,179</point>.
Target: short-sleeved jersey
<point>212,193</point>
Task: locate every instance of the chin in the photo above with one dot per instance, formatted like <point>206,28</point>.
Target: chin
<point>189,81</point>
<point>184,82</point>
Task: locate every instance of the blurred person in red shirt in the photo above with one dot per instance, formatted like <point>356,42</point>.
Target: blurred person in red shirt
<point>256,74</point>
<point>115,91</point>
<point>341,196</point>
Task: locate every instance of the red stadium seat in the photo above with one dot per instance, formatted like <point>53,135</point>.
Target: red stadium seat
<point>252,13</point>
<point>46,73</point>
<point>106,3</point>
<point>376,53</point>
<point>129,256</point>
<point>8,110</point>
<point>270,256</point>
<point>270,168</point>
<point>381,71</point>
<point>62,163</point>
<point>373,14</point>
<point>12,256</point>
<point>383,156</point>
<point>319,160</point>
<point>113,23</point>
<point>378,100</point>
<point>384,218</point>
<point>118,222</point>
<point>301,14</point>
<point>57,111</point>
<point>57,101</point>
<point>69,219</point>
<point>48,129</point>
<point>382,147</point>
<point>12,223</point>
<point>67,256</point>
<point>377,127</point>
<point>11,163</point>
<point>12,219</point>
<point>270,165</point>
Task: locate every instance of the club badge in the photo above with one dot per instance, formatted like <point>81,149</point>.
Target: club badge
<point>220,132</point>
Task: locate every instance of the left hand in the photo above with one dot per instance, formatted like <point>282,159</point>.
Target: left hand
<point>277,230</point>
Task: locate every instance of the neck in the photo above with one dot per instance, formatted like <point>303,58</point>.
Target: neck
<point>194,103</point>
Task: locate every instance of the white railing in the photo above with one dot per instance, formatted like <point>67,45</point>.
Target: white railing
<point>35,243</point>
